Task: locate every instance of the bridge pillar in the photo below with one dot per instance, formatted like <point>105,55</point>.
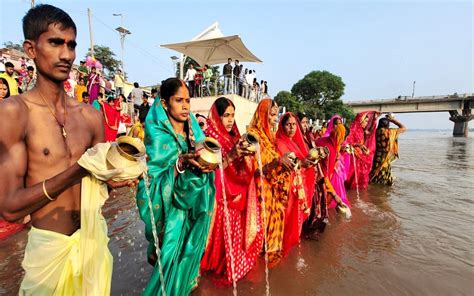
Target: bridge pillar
<point>461,121</point>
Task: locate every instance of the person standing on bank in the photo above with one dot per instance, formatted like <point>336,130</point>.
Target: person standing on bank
<point>43,136</point>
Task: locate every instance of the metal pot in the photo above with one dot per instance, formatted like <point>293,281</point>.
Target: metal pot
<point>210,153</point>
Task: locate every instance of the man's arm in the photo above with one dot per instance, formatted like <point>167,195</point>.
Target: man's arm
<point>16,201</point>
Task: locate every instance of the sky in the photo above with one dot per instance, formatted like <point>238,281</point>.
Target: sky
<point>378,48</point>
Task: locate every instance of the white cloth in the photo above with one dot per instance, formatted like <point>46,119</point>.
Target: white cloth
<point>190,75</point>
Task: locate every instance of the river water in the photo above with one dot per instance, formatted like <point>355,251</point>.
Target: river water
<point>414,238</point>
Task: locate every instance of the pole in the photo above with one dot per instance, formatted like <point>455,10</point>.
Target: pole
<point>122,41</point>
<point>89,14</point>
<point>32,3</point>
<point>413,93</point>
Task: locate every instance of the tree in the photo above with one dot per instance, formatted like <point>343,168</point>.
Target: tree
<point>318,88</point>
<point>106,57</point>
<point>338,107</point>
<point>286,99</point>
<point>11,45</point>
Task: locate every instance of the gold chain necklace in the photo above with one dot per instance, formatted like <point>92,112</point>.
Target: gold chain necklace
<point>62,125</point>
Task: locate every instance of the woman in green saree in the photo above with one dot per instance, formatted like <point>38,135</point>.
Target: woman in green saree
<point>181,191</point>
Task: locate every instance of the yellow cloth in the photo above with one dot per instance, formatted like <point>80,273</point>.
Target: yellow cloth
<point>52,264</point>
<point>12,84</point>
<point>80,264</point>
<point>80,89</point>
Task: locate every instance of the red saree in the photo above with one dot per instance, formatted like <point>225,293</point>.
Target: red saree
<point>301,188</point>
<point>111,121</point>
<point>360,136</point>
<point>246,232</point>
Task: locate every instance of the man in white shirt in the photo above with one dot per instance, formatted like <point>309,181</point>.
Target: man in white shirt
<point>190,79</point>
<point>119,82</point>
<point>136,95</point>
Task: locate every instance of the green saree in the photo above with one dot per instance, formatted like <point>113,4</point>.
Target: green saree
<point>182,206</point>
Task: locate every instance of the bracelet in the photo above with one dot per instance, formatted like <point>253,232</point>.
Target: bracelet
<point>178,161</point>
<point>46,192</point>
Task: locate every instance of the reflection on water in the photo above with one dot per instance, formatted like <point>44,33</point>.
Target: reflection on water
<point>415,238</point>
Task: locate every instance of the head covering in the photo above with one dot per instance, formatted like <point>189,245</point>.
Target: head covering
<point>217,130</point>
<point>333,142</point>
<point>261,118</point>
<point>331,124</point>
<point>294,144</point>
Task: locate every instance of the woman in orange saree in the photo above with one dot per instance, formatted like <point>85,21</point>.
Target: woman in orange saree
<point>241,243</point>
<point>290,139</point>
<point>275,180</point>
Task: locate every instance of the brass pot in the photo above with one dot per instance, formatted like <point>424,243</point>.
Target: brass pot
<point>252,139</point>
<point>126,151</point>
<point>210,153</point>
<point>313,154</point>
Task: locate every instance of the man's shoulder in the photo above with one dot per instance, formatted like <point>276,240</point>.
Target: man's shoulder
<point>14,110</point>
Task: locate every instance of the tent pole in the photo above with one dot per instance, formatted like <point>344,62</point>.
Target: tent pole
<point>181,66</point>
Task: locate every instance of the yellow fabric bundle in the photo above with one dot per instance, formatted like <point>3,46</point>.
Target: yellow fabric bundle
<point>80,264</point>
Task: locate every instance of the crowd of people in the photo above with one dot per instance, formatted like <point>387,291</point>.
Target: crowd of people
<point>197,220</point>
<point>236,80</point>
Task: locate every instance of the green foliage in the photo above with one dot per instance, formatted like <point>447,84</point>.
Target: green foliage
<point>106,57</point>
<point>286,99</point>
<point>318,95</point>
<point>318,87</point>
<point>338,107</point>
<point>17,46</point>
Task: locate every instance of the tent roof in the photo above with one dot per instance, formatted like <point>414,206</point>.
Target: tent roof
<point>215,50</point>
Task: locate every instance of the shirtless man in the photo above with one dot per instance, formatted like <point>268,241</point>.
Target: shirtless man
<point>43,132</point>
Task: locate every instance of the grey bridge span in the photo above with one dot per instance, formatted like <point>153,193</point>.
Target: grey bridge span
<point>459,107</point>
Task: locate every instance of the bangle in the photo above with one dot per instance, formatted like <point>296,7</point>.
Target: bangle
<point>178,162</point>
<point>46,192</point>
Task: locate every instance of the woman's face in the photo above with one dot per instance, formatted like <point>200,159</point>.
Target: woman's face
<point>290,127</point>
<point>305,124</point>
<point>3,91</point>
<point>179,105</point>
<point>364,122</point>
<point>228,118</point>
<point>273,116</point>
<point>337,121</point>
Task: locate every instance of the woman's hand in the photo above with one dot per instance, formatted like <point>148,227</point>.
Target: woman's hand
<point>287,161</point>
<point>190,160</point>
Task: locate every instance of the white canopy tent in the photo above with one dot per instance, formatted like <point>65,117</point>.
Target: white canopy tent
<point>212,47</point>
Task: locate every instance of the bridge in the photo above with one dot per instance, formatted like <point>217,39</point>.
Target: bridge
<point>458,106</point>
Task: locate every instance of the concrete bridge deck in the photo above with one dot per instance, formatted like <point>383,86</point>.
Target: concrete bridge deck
<point>459,107</point>
<point>415,104</point>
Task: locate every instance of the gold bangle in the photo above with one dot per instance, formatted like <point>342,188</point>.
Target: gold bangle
<point>46,192</point>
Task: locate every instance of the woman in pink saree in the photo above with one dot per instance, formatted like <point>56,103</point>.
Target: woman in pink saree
<point>93,85</point>
<point>362,140</point>
<point>338,162</point>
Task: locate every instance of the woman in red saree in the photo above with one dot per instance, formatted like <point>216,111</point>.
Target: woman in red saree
<point>245,237</point>
<point>362,140</point>
<point>289,139</point>
<point>276,171</point>
<point>111,119</point>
